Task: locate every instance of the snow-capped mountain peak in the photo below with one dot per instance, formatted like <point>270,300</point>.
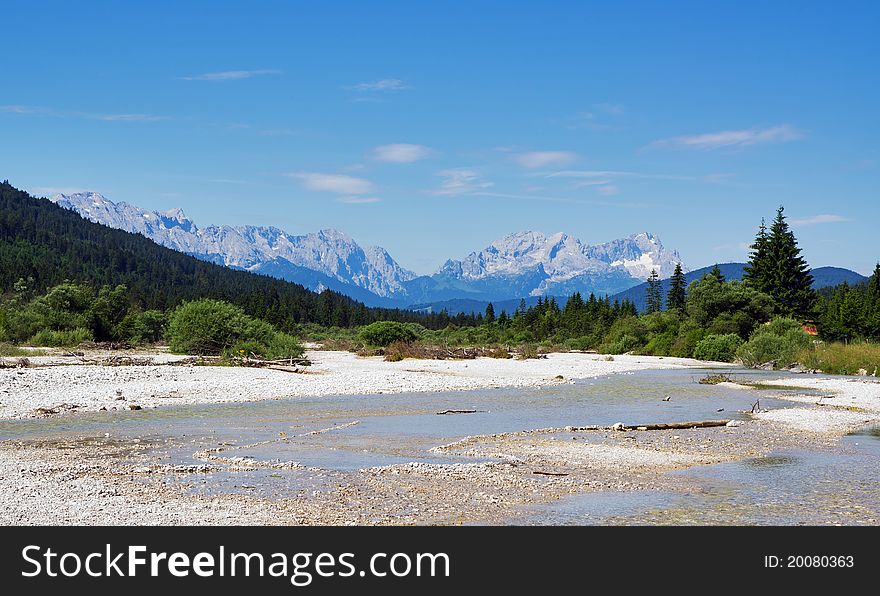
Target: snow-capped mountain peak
<point>329,252</point>
<point>563,256</point>
<point>517,265</point>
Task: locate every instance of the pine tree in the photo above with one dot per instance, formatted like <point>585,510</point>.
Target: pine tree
<point>874,284</point>
<point>653,298</point>
<point>757,272</point>
<point>677,293</point>
<point>716,271</point>
<point>490,314</point>
<point>788,279</point>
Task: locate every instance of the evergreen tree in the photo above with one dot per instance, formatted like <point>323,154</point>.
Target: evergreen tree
<point>789,281</point>
<point>490,314</point>
<point>874,284</point>
<point>653,298</point>
<point>757,272</point>
<point>677,293</point>
<point>716,271</point>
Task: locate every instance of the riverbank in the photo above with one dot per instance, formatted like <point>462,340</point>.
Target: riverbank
<point>159,475</point>
<point>54,385</point>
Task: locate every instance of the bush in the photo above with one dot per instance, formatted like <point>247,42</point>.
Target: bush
<point>61,339</point>
<point>687,341</point>
<point>625,344</point>
<point>212,327</point>
<point>779,342</point>
<point>146,327</point>
<point>385,333</point>
<point>721,348</point>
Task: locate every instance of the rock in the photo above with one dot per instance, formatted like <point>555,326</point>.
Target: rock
<point>733,424</point>
<point>767,365</point>
<point>617,426</point>
<point>667,398</point>
<point>134,407</point>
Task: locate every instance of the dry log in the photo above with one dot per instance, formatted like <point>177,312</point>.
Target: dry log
<point>671,425</point>
<point>542,473</point>
<point>444,412</point>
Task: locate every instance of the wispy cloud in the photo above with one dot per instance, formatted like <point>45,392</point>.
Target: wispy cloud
<point>813,220</point>
<point>554,199</point>
<point>57,190</point>
<point>380,85</point>
<point>609,190</point>
<point>358,200</point>
<point>544,159</point>
<point>601,116</point>
<point>126,117</point>
<point>782,133</point>
<point>612,174</point>
<point>55,113</point>
<point>337,183</point>
<point>401,153</point>
<point>231,75</point>
<point>459,181</point>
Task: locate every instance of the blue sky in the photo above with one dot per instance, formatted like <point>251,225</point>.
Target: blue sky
<point>433,129</point>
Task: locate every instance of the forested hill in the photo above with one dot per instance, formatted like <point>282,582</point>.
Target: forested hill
<point>42,241</point>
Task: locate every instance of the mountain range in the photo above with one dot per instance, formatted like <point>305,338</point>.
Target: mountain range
<point>523,264</point>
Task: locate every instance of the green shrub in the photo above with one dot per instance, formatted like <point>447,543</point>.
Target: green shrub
<point>146,327</point>
<point>660,345</point>
<point>58,339</point>
<point>625,344</point>
<point>211,327</point>
<point>385,333</point>
<point>527,352</point>
<point>586,342</point>
<point>721,348</point>
<point>686,342</point>
<point>779,341</point>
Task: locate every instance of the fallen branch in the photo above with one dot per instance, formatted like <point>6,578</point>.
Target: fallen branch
<point>444,412</point>
<point>669,425</point>
<point>542,473</point>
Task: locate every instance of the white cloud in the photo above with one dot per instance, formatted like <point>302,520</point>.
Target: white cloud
<point>609,190</point>
<point>358,200</point>
<point>459,181</point>
<point>543,159</point>
<point>401,153</point>
<point>381,85</point>
<point>338,183</point>
<point>593,174</point>
<point>44,111</point>
<point>230,75</point>
<point>56,190</point>
<point>813,220</point>
<point>126,117</point>
<point>782,133</point>
<point>13,109</point>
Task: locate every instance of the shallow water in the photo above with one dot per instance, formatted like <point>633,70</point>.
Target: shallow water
<point>399,428</point>
<point>784,488</point>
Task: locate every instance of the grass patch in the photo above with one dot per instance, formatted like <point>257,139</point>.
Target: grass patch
<point>7,349</point>
<point>774,387</point>
<point>842,359</point>
<point>716,378</point>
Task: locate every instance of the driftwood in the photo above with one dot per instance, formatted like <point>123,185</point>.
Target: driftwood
<point>672,425</point>
<point>542,473</point>
<point>444,412</point>
<point>663,425</point>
